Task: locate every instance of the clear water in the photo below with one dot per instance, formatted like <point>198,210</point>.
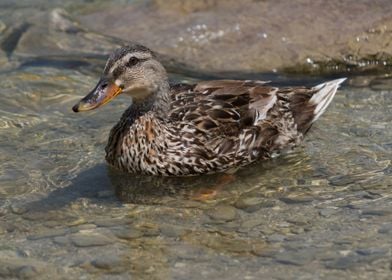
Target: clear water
<point>323,211</point>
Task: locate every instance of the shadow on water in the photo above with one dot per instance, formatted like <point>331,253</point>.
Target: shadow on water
<point>104,185</point>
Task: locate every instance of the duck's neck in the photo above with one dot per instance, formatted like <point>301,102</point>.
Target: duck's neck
<point>157,102</point>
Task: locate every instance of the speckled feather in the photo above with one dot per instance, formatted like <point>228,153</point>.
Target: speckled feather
<point>215,126</point>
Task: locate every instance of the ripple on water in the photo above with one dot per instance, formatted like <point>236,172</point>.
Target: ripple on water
<point>75,210</point>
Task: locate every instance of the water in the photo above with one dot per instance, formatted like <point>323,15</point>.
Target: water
<point>323,211</point>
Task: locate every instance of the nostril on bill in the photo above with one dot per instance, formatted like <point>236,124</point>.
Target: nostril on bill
<point>104,85</point>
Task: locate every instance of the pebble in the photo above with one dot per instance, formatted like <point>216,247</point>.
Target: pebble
<point>376,212</point>
<point>3,211</point>
<point>223,213</point>
<point>372,251</point>
<point>18,209</point>
<point>385,229</point>
<point>294,258</point>
<point>171,230</point>
<point>327,212</point>
<point>250,204</point>
<point>276,238</point>
<point>47,234</point>
<point>297,199</point>
<point>344,262</point>
<point>89,240</point>
<point>111,222</point>
<point>61,240</point>
<point>108,262</point>
<point>21,268</point>
<point>128,233</point>
<point>250,223</point>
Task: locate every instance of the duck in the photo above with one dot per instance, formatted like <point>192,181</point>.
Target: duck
<point>200,128</point>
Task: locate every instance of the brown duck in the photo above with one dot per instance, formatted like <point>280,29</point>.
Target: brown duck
<point>207,127</point>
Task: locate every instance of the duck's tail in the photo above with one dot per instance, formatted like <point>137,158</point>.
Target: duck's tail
<point>323,96</point>
<point>308,109</point>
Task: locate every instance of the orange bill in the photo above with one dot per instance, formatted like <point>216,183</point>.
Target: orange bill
<point>100,95</point>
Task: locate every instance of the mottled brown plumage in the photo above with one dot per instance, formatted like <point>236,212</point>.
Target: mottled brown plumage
<point>201,128</point>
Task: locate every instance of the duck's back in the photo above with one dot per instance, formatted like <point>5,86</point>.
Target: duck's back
<point>218,125</point>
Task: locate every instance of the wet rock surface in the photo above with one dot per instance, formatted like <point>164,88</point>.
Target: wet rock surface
<point>208,36</point>
<point>259,36</point>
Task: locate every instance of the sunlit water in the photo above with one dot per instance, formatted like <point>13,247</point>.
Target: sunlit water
<point>320,209</point>
<point>323,211</point>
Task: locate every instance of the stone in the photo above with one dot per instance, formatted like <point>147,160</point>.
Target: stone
<point>21,268</point>
<point>276,238</point>
<point>222,213</point>
<point>327,212</point>
<point>171,230</point>
<point>296,199</point>
<point>110,222</point>
<point>346,262</point>
<point>203,33</point>
<point>90,240</point>
<point>250,204</point>
<point>376,212</point>
<point>251,223</point>
<point>18,209</point>
<point>372,251</point>
<point>128,233</point>
<point>108,262</point>
<point>294,258</point>
<point>61,240</point>
<point>385,228</point>
<point>47,234</point>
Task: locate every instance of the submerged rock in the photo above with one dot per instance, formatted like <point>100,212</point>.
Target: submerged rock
<point>89,240</point>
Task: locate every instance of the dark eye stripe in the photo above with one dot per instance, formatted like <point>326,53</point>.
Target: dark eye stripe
<point>132,62</point>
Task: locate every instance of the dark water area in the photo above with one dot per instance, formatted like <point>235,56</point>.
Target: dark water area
<point>320,212</point>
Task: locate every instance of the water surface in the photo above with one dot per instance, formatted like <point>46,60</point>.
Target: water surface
<point>323,211</point>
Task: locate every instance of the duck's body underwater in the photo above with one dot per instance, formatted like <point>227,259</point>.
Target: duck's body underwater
<point>211,126</point>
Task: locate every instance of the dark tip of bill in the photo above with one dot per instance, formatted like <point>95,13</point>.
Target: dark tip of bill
<point>75,108</point>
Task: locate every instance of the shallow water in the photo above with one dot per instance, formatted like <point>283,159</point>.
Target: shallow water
<point>323,211</point>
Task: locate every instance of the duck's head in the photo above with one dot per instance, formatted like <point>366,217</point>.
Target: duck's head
<point>132,69</point>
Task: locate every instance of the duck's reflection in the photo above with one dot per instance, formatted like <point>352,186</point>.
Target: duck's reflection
<point>102,184</point>
<point>140,189</point>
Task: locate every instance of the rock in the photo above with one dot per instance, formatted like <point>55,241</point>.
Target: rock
<point>276,238</point>
<point>385,229</point>
<point>89,240</point>
<point>296,199</point>
<point>346,262</point>
<point>128,233</point>
<point>47,234</point>
<point>18,209</point>
<point>109,262</point>
<point>372,251</point>
<point>223,213</point>
<point>110,222</point>
<point>61,240</point>
<point>250,223</point>
<point>250,204</point>
<point>294,258</point>
<point>209,33</point>
<point>171,230</point>
<point>21,268</point>
<point>327,212</point>
<point>376,212</point>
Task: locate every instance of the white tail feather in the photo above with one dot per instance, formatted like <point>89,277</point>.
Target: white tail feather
<point>324,96</point>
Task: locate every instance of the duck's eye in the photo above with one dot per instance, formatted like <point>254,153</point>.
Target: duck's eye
<point>132,61</point>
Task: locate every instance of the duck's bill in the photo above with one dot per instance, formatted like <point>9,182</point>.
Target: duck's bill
<point>100,95</point>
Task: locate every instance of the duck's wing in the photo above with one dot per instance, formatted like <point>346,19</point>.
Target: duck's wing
<point>223,106</point>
